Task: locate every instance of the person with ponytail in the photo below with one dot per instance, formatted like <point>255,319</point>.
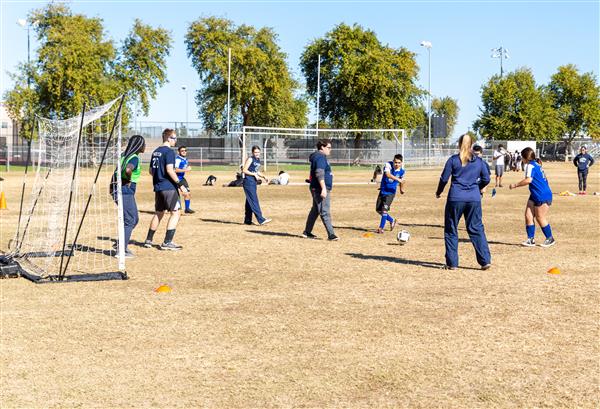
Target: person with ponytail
<point>131,167</point>
<point>540,199</point>
<point>469,176</point>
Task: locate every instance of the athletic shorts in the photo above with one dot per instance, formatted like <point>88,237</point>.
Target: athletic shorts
<point>185,183</point>
<point>499,170</point>
<point>384,202</point>
<point>166,200</point>
<point>538,204</point>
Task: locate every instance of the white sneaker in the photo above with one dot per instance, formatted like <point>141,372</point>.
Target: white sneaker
<point>548,242</point>
<point>265,222</point>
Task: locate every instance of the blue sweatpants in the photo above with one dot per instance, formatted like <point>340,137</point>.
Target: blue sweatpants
<point>252,205</point>
<point>472,212</point>
<point>130,212</point>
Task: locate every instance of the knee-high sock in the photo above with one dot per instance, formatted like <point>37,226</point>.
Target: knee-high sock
<point>530,231</point>
<point>547,230</point>
<point>384,218</point>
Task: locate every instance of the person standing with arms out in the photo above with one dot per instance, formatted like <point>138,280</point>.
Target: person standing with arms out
<point>393,174</point>
<point>499,158</point>
<point>540,199</point>
<point>321,183</point>
<point>166,190</point>
<point>181,168</point>
<point>251,172</point>
<point>583,161</point>
<point>470,175</point>
<point>131,169</point>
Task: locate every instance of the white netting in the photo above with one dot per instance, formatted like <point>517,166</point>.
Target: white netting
<point>55,158</point>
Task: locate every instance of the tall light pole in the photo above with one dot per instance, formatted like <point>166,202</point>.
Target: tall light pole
<point>318,91</point>
<point>23,23</point>
<point>187,123</point>
<point>427,44</point>
<point>501,53</point>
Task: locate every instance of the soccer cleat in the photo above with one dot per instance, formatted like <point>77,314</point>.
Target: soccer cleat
<point>486,266</point>
<point>379,230</point>
<point>265,222</point>
<point>333,237</point>
<point>148,244</point>
<point>392,224</point>
<point>170,246</point>
<point>308,235</point>
<point>530,242</point>
<point>446,267</point>
<point>548,242</point>
<point>190,211</point>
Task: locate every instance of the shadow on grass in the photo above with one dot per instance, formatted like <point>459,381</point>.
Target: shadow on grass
<point>221,221</point>
<point>489,241</point>
<point>420,263</point>
<point>353,228</point>
<point>274,233</point>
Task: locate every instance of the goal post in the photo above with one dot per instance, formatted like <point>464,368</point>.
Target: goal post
<point>73,226</point>
<point>350,146</point>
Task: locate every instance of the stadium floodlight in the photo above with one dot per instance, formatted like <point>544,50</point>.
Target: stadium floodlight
<point>500,53</point>
<point>187,124</point>
<point>428,45</point>
<point>22,22</point>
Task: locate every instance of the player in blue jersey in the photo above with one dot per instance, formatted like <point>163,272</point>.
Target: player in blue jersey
<point>251,172</point>
<point>392,176</point>
<point>539,201</point>
<point>166,190</point>
<point>181,168</point>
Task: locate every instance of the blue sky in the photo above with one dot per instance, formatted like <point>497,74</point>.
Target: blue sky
<point>539,35</point>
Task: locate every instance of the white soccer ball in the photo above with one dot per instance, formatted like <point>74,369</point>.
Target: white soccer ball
<point>403,236</point>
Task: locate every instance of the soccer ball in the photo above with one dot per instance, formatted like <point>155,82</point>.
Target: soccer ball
<point>403,236</point>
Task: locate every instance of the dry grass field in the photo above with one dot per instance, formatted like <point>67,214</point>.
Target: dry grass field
<point>259,317</point>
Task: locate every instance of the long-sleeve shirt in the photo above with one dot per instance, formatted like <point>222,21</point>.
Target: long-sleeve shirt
<point>583,161</point>
<point>467,181</point>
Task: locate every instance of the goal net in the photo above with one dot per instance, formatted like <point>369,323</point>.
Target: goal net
<point>350,146</point>
<point>70,225</point>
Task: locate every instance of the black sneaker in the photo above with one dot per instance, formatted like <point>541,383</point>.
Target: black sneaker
<point>530,242</point>
<point>189,211</point>
<point>548,242</point>
<point>170,246</point>
<point>308,235</point>
<point>333,237</point>
<point>148,244</point>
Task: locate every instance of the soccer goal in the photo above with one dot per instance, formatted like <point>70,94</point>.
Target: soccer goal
<point>350,146</point>
<point>71,226</point>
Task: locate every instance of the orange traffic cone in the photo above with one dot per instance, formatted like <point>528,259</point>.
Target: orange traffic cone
<point>2,201</point>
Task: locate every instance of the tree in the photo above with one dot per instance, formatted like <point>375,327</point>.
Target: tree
<point>515,108</point>
<point>448,108</point>
<point>576,97</point>
<point>75,62</point>
<point>262,88</point>
<point>364,84</point>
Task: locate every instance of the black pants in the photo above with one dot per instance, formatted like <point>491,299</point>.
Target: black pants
<point>582,175</point>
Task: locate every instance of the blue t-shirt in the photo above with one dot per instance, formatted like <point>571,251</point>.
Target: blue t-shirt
<point>254,167</point>
<point>161,157</point>
<point>583,161</point>
<point>180,163</point>
<point>466,180</point>
<point>319,161</point>
<point>539,187</point>
<point>388,186</point>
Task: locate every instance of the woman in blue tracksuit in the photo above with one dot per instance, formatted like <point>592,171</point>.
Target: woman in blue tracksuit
<point>540,199</point>
<point>470,174</point>
<point>583,161</point>
<point>251,175</point>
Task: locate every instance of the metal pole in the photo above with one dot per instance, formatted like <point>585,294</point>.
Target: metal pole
<point>228,88</point>
<point>28,61</point>
<point>429,111</point>
<point>187,113</point>
<point>201,160</point>
<point>501,58</point>
<point>318,92</point>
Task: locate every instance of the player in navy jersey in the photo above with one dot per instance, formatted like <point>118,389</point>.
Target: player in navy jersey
<point>539,201</point>
<point>251,174</point>
<point>583,161</point>
<point>181,168</point>
<point>392,176</point>
<point>166,190</point>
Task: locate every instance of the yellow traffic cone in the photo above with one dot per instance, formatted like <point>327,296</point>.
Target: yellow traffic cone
<point>2,201</point>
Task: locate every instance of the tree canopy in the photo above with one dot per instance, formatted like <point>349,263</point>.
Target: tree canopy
<point>77,63</point>
<point>515,108</point>
<point>576,97</point>
<point>262,88</point>
<point>364,84</point>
